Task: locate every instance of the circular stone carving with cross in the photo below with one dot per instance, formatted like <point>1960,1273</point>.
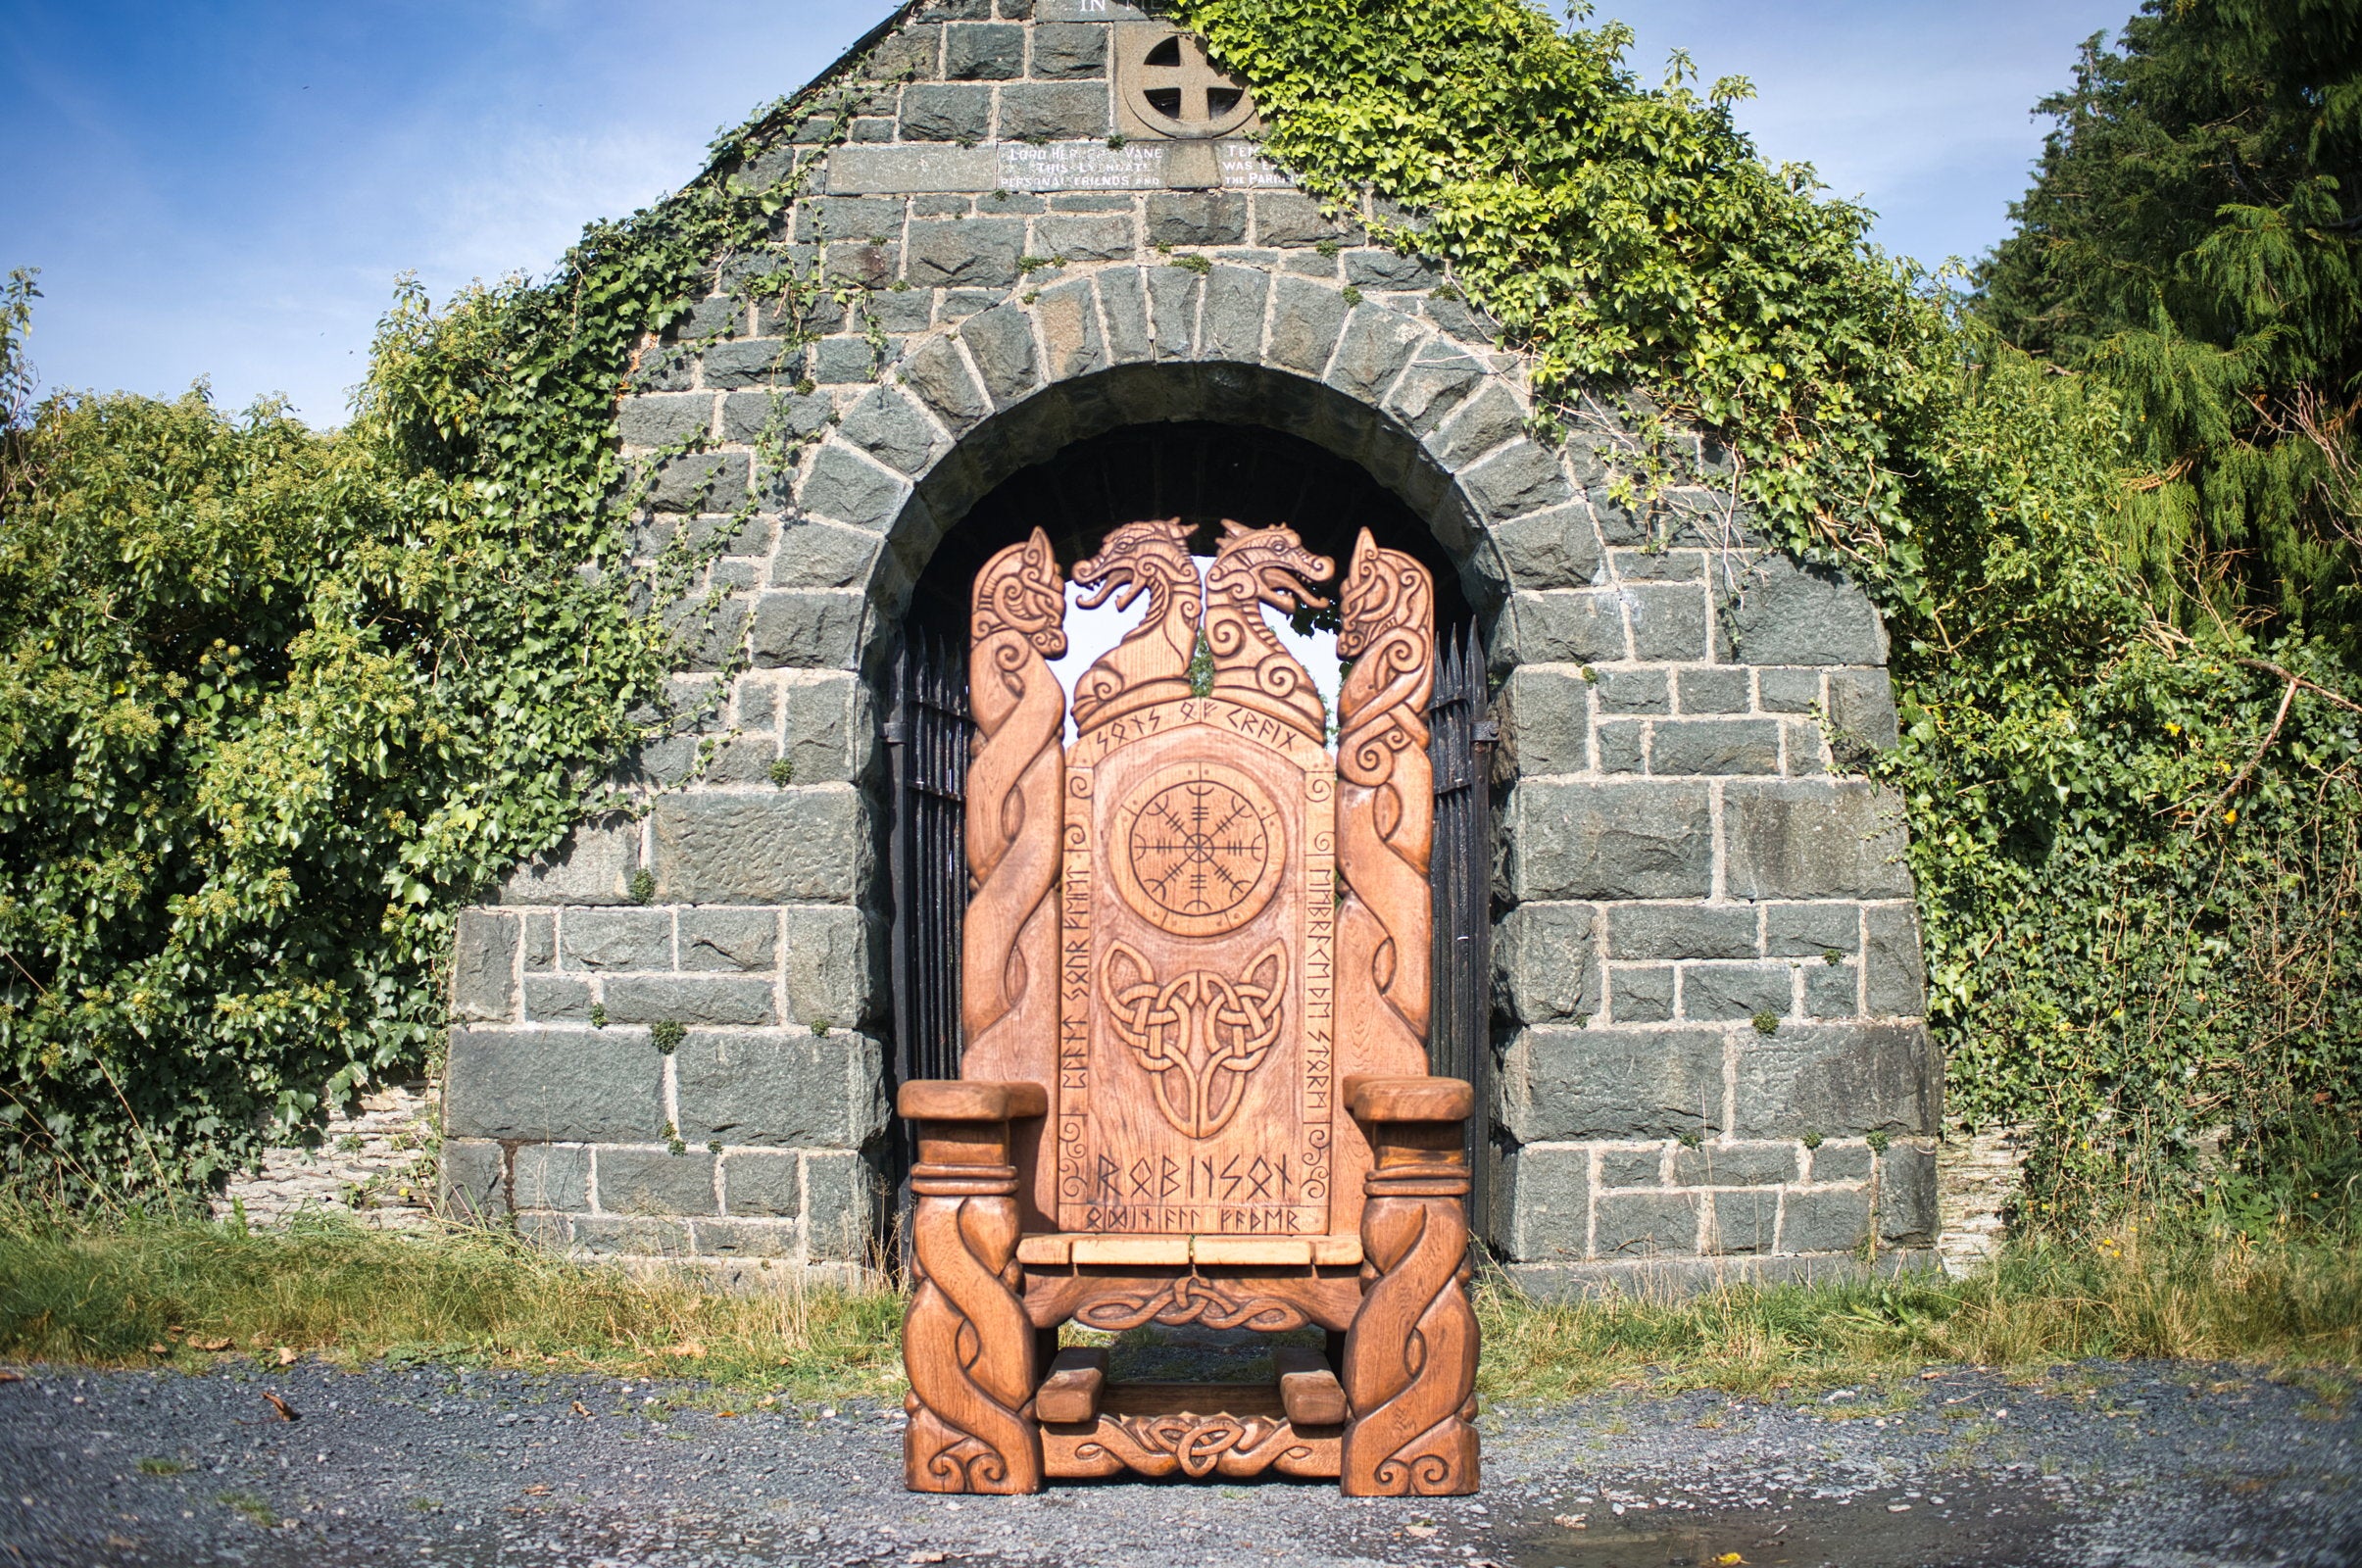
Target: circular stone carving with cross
<point>1170,87</point>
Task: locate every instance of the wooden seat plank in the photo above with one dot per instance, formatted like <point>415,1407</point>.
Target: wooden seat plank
<point>1049,1250</point>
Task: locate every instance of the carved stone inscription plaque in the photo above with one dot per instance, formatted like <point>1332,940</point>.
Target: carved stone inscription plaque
<point>1198,920</point>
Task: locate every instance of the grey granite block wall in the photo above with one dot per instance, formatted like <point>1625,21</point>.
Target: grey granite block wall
<point>1706,951</point>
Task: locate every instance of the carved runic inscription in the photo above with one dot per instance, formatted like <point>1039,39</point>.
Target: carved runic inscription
<point>1197,907</point>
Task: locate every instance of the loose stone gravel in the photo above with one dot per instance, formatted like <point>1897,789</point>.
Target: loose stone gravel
<point>2170,1465</point>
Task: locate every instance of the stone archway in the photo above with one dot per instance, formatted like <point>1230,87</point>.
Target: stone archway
<point>1435,421</point>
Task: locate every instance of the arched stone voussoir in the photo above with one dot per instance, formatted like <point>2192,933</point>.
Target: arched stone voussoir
<point>1094,349</point>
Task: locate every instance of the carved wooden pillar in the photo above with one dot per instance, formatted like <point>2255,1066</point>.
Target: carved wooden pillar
<point>1410,1357</point>
<point>1385,831</point>
<point>1009,1004</point>
<point>968,1345</point>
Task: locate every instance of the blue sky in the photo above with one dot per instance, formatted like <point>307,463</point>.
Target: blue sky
<point>230,187</point>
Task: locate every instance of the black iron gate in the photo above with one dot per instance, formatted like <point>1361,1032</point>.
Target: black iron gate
<point>927,745</point>
<point>927,742</point>
<point>1459,1037</point>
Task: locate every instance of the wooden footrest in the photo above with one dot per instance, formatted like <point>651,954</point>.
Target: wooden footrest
<point>1308,1389</point>
<point>1071,1392</point>
<point>1190,1428</point>
<point>1091,1427</point>
<point>1171,1251</point>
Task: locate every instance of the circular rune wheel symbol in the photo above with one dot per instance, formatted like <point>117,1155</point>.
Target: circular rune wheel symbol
<point>1202,850</point>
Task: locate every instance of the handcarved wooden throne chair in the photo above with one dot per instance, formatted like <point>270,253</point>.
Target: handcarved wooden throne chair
<point>1194,1085</point>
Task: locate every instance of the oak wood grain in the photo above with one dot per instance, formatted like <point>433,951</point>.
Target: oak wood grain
<point>1071,1392</point>
<point>1151,664</point>
<point>1308,1388</point>
<point>1385,831</point>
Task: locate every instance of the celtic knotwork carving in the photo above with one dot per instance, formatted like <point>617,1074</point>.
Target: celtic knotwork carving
<point>968,1352</point>
<point>1016,800</point>
<point>1254,568</point>
<point>1197,1036</point>
<point>1195,1444</point>
<point>1192,1298</point>
<point>1151,663</point>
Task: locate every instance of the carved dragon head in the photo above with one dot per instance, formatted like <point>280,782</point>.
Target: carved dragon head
<point>1385,592</point>
<point>1271,564</point>
<point>1139,558</point>
<point>1019,589</point>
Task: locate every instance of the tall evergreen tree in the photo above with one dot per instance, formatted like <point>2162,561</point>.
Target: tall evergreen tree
<point>2194,235</point>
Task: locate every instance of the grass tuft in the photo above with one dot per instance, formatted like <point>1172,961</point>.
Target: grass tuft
<point>141,1292</point>
<point>144,1293</point>
<point>2175,1293</point>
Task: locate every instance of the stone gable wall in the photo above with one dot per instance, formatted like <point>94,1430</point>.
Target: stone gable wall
<point>1710,993</point>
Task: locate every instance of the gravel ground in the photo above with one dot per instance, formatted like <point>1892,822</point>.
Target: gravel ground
<point>2103,1463</point>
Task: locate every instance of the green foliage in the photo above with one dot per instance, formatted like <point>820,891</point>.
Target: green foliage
<point>142,1293</point>
<point>1628,237</point>
<point>2184,1291</point>
<point>134,1292</point>
<point>274,703</point>
<point>2194,235</point>
<point>2138,924</point>
<point>2139,920</point>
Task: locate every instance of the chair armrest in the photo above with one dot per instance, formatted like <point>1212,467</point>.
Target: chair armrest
<point>1409,1100</point>
<point>960,1099</point>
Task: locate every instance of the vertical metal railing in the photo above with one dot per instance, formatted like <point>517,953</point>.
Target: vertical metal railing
<point>927,747</point>
<point>1460,873</point>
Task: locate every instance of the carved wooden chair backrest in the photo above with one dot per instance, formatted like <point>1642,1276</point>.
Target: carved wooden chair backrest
<point>1191,926</point>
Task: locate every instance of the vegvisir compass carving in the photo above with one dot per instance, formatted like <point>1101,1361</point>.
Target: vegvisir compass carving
<point>1201,846</point>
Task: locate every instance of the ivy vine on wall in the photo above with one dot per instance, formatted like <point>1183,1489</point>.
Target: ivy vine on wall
<point>275,703</point>
<point>2135,849</point>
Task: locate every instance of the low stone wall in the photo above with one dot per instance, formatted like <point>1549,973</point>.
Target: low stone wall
<point>1669,1217</point>
<point>374,1162</point>
<point>1978,1179</point>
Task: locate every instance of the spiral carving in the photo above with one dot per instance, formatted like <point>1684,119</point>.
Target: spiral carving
<point>969,1353</point>
<point>1410,1359</point>
<point>1151,663</point>
<point>1015,805</point>
<point>1385,809</point>
<point>1254,568</point>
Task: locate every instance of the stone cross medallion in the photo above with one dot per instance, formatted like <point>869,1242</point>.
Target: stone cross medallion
<point>1168,87</point>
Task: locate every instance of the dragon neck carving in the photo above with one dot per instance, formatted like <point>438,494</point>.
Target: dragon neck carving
<point>1151,663</point>
<point>1389,612</point>
<point>1254,568</point>
<point>1384,811</point>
